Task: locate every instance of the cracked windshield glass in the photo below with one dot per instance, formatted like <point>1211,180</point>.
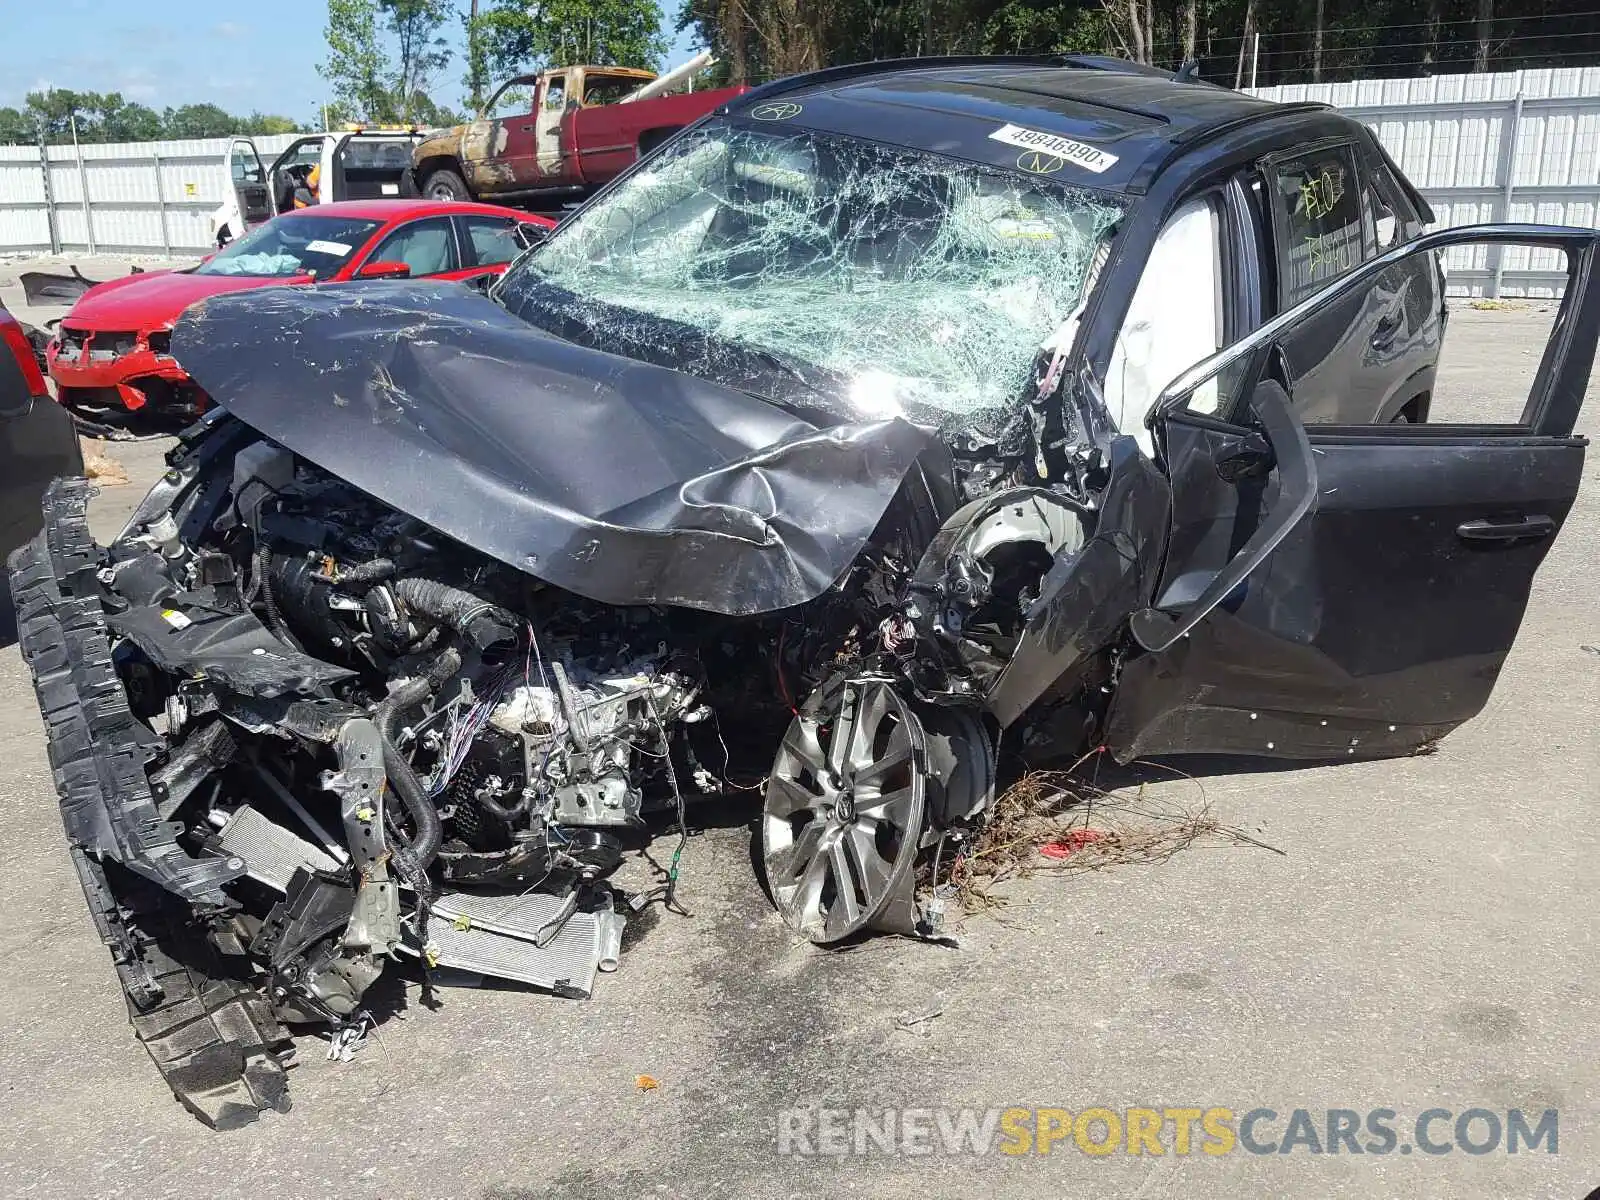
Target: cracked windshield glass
<point>892,280</point>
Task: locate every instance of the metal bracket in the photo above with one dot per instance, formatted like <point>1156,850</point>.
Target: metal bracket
<point>360,784</point>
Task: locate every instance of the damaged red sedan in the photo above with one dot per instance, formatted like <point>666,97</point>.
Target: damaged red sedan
<point>112,358</point>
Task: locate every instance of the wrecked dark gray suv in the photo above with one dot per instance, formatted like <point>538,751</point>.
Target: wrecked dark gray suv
<point>889,428</point>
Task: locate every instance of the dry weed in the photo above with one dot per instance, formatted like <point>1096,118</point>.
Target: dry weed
<point>1054,821</point>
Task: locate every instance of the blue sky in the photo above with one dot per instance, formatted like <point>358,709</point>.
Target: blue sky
<point>261,56</point>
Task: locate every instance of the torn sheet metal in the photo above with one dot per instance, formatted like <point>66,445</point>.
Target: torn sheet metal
<point>620,481</point>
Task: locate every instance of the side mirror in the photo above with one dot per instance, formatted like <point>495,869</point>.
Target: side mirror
<point>384,270</point>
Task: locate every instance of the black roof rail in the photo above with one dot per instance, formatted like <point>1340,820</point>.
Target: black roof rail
<point>1117,66</point>
<point>885,66</point>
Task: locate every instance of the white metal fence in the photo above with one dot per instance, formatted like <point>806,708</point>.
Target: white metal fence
<point>119,197</point>
<point>1514,146</point>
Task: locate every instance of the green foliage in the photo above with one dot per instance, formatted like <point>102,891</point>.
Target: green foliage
<point>109,118</point>
<point>422,53</point>
<point>356,62</point>
<point>1299,41</point>
<point>383,58</point>
<point>522,36</point>
<point>259,122</point>
<point>477,78</point>
<point>16,127</point>
<point>200,121</point>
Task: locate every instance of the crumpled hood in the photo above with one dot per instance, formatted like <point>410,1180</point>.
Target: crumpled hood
<point>618,480</point>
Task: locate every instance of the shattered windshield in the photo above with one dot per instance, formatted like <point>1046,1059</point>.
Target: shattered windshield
<point>291,245</point>
<point>906,279</point>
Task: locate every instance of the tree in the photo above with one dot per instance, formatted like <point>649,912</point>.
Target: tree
<point>1316,41</point>
<point>477,78</point>
<point>356,62</point>
<point>1480,61</point>
<point>556,33</point>
<point>267,123</point>
<point>109,118</point>
<point>199,121</point>
<point>1245,44</point>
<point>118,121</point>
<point>760,40</point>
<point>1131,20</point>
<point>17,127</point>
<point>1430,50</point>
<point>415,26</point>
<point>54,111</point>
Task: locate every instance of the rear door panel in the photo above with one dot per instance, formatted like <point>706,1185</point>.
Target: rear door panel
<point>1368,356</point>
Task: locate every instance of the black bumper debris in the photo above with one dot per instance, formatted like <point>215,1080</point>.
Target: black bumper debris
<point>211,1036</point>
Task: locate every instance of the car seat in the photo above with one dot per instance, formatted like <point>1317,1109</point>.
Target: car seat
<point>426,251</point>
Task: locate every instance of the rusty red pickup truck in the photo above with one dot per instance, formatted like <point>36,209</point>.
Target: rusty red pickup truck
<point>583,127</point>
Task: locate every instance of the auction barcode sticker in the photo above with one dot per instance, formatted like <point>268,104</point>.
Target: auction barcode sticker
<point>1081,154</point>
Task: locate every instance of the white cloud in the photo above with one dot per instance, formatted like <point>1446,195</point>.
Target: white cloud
<point>230,29</point>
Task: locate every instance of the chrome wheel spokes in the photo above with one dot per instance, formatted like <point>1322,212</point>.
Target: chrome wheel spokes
<point>844,808</point>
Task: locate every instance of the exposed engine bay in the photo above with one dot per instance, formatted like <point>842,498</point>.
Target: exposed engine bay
<point>342,738</point>
<point>394,665</point>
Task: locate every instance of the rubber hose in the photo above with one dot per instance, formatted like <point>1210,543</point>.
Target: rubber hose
<point>482,624</point>
<point>402,778</point>
<point>506,812</point>
<point>362,575</point>
<point>404,783</point>
<point>274,617</point>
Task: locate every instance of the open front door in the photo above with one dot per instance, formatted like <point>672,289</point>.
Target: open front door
<point>1349,590</point>
<point>251,196</point>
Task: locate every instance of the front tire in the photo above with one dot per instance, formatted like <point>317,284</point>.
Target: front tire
<point>445,184</point>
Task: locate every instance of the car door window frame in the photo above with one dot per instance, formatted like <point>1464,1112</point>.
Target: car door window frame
<point>468,248</point>
<point>1268,166</point>
<point>1383,184</point>
<point>375,255</point>
<point>1547,412</point>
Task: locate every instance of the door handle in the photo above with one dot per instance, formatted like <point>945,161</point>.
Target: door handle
<point>527,128</point>
<point>1513,529</point>
<point>1387,329</point>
